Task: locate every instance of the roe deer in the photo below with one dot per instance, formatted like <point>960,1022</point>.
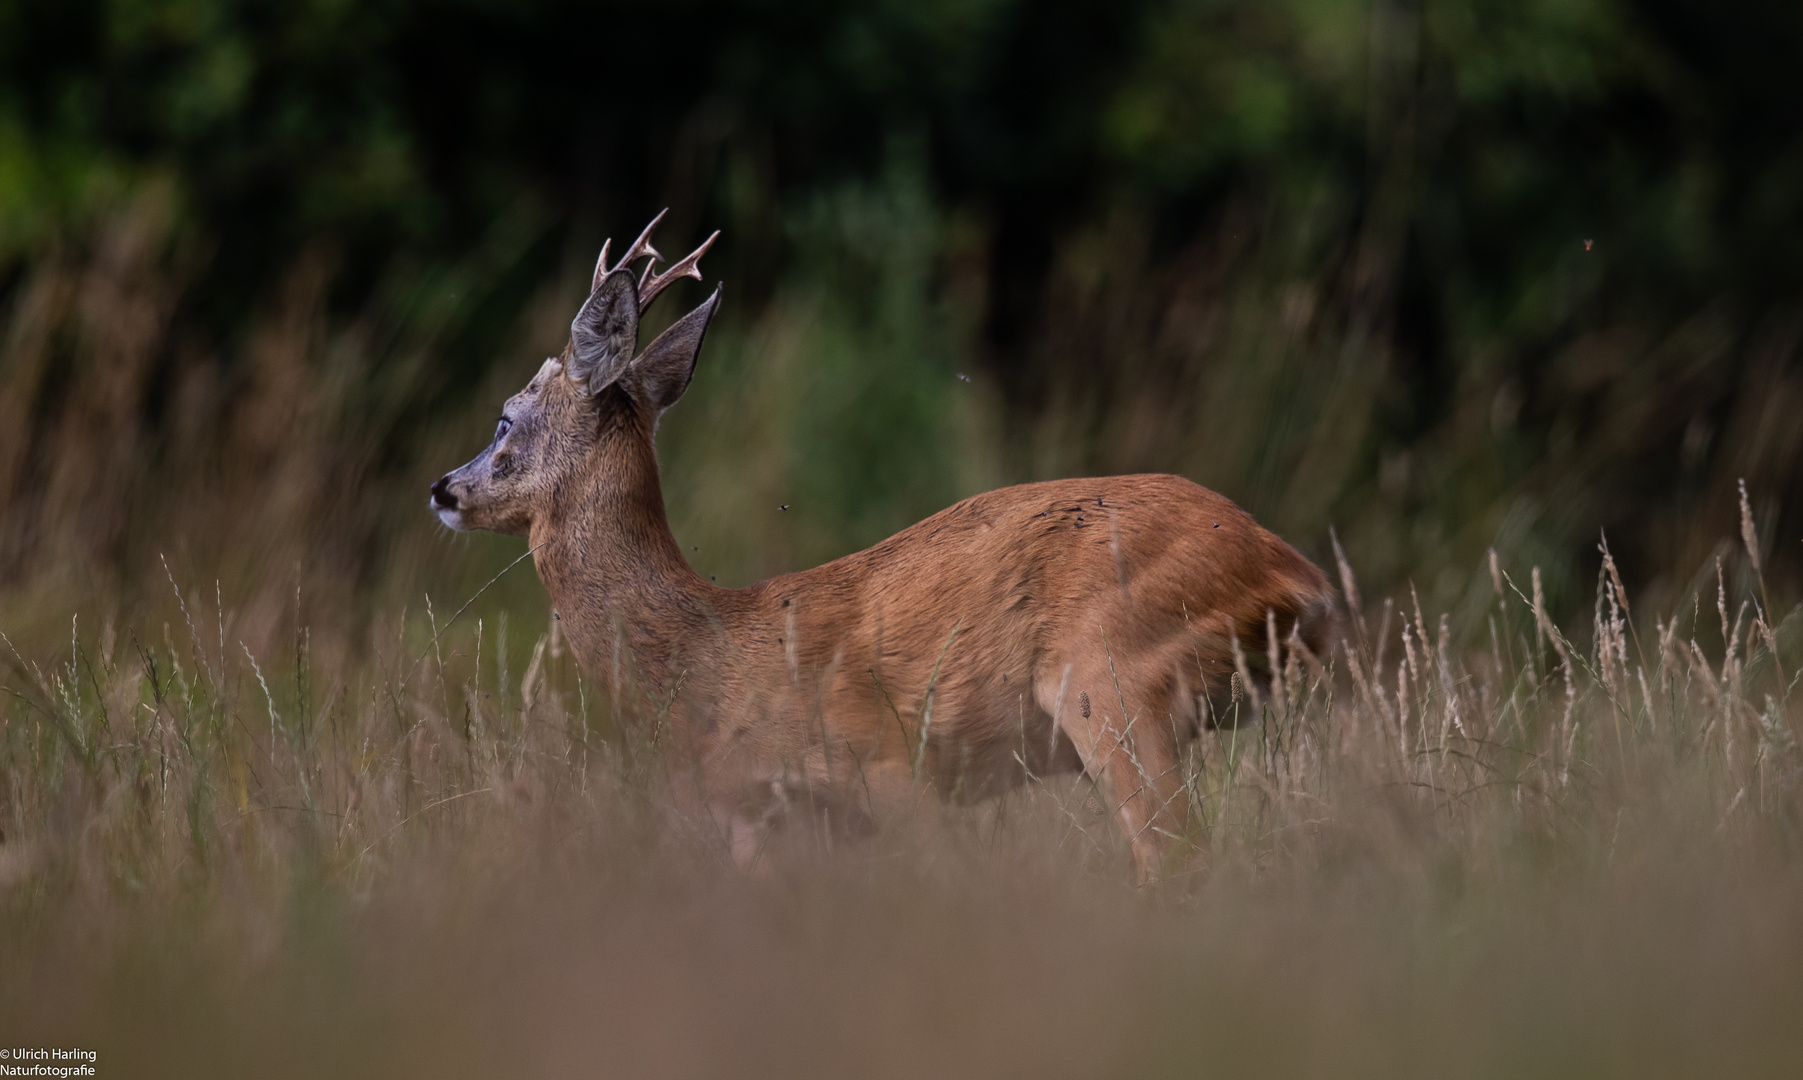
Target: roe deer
<point>1072,624</point>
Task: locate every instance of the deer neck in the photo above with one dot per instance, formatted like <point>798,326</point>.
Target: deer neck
<point>618,582</point>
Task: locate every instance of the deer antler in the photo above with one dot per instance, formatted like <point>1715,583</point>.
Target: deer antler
<point>639,249</point>
<point>688,266</point>
<point>642,246</point>
<point>600,265</point>
<point>650,284</point>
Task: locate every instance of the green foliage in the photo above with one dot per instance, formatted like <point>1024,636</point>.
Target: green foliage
<point>1446,275</point>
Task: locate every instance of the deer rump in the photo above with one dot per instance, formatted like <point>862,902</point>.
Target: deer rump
<point>1089,623</point>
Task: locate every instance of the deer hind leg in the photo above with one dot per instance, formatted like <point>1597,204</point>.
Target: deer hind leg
<point>1127,738</point>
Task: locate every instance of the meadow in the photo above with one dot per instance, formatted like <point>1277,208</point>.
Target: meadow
<point>1490,309</point>
<point>1497,849</point>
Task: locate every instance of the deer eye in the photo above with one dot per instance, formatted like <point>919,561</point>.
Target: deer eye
<point>502,428</point>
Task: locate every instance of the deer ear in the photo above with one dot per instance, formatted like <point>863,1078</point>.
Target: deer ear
<point>660,374</point>
<point>605,333</point>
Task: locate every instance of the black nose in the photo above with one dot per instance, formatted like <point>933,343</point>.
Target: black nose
<point>442,497</point>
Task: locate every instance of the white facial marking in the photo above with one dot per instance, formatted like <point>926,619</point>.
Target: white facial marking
<point>452,518</point>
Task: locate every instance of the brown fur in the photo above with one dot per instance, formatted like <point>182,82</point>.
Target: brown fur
<point>1071,624</point>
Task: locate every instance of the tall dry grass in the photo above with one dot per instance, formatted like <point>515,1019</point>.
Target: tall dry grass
<point>1544,852</point>
<point>293,783</point>
<point>286,456</point>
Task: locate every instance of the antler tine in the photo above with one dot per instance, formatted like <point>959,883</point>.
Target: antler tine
<point>642,246</point>
<point>601,265</point>
<point>688,266</point>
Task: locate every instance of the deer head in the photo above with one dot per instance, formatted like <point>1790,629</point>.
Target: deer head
<point>552,429</point>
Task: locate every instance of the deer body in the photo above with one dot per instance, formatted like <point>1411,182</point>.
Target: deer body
<point>1068,624</point>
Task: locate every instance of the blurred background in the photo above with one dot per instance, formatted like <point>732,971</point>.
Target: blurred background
<point>1440,276</point>
<point>1436,277</point>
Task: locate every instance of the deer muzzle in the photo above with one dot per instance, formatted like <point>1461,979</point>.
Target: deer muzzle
<point>444,503</point>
